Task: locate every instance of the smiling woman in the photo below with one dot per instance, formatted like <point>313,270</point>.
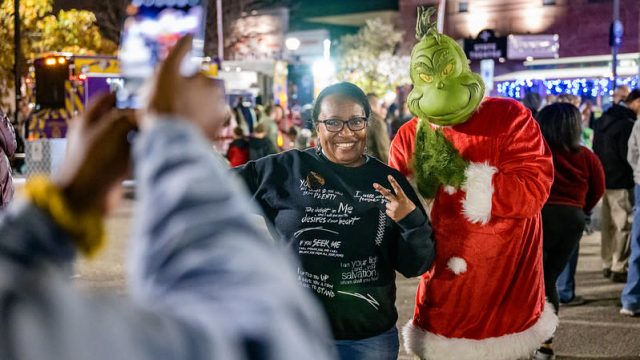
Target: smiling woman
<point>341,113</point>
<point>334,207</point>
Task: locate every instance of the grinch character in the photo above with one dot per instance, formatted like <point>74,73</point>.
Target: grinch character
<point>484,163</point>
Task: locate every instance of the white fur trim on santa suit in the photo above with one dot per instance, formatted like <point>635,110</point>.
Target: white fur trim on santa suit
<point>450,189</point>
<point>429,346</point>
<point>457,265</point>
<point>479,192</point>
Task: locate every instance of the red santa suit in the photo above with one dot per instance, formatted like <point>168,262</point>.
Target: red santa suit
<point>484,297</point>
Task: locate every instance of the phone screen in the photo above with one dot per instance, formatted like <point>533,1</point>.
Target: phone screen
<point>151,29</point>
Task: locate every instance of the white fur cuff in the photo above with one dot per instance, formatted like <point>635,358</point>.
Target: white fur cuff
<point>479,192</point>
<point>457,265</point>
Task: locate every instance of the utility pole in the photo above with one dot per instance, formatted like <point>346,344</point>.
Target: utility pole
<point>220,30</point>
<point>16,56</point>
<point>616,32</point>
<point>442,8</point>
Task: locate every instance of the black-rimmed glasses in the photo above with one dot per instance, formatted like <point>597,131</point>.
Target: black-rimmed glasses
<point>336,125</point>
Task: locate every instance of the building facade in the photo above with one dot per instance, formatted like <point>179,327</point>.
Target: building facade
<point>583,25</point>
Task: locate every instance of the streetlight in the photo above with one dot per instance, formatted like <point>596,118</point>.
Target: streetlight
<point>16,56</point>
<point>292,43</point>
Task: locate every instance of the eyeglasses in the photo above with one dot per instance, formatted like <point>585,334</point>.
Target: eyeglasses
<point>336,125</point>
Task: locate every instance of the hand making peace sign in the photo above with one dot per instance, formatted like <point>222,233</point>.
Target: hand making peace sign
<point>398,205</point>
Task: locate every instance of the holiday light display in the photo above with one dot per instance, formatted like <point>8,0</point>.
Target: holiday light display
<point>589,88</point>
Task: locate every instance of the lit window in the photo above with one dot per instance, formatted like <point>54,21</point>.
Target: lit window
<point>463,6</point>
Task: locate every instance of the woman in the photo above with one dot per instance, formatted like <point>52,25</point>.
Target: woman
<point>332,205</point>
<point>577,187</point>
<point>7,150</point>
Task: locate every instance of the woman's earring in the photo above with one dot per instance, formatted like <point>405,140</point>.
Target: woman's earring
<point>318,149</point>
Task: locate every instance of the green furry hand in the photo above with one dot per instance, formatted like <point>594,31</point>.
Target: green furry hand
<point>436,161</point>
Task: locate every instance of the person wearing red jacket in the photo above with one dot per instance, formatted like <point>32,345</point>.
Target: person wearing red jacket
<point>487,168</point>
<point>238,152</point>
<point>577,187</point>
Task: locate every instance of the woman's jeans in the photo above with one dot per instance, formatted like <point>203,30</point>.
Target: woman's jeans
<point>562,230</point>
<point>631,292</point>
<point>566,283</point>
<point>382,347</point>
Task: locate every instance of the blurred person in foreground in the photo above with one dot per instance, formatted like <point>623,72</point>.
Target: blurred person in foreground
<point>631,293</point>
<point>333,207</point>
<point>578,185</point>
<point>200,287</point>
<point>611,144</point>
<point>378,141</point>
<point>8,147</point>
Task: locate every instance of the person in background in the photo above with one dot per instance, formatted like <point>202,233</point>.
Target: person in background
<point>578,185</point>
<point>378,141</point>
<point>259,145</point>
<point>268,120</point>
<point>610,143</point>
<point>8,147</point>
<point>245,114</point>
<point>200,287</point>
<point>566,284</point>
<point>225,134</point>
<point>574,100</point>
<point>620,93</point>
<point>587,113</point>
<point>258,110</point>
<point>238,153</point>
<point>401,117</point>
<point>550,99</point>
<point>332,207</point>
<point>533,102</point>
<point>631,294</point>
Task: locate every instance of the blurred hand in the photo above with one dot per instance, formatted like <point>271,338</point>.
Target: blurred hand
<point>398,205</point>
<point>198,99</point>
<point>97,157</point>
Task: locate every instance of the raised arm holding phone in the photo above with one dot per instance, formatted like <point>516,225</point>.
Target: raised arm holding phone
<point>200,285</point>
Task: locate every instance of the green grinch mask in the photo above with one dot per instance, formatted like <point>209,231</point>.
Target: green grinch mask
<point>445,90</point>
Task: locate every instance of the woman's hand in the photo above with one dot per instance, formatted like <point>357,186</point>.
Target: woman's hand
<point>398,205</point>
<point>97,157</point>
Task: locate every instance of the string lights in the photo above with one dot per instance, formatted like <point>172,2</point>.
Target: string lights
<point>586,88</point>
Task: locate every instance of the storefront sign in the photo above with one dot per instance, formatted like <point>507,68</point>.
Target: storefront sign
<point>520,47</point>
<point>486,46</point>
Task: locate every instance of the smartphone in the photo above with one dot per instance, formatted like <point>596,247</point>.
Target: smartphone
<point>151,29</point>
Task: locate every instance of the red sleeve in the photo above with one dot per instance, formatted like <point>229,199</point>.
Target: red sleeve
<point>524,174</point>
<point>401,151</point>
<point>596,181</point>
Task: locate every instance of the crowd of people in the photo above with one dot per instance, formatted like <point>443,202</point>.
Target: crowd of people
<point>343,217</point>
<point>612,174</point>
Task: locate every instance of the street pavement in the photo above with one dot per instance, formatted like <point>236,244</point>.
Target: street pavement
<point>594,330</point>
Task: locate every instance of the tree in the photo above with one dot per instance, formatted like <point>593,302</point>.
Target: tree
<point>110,15</point>
<point>43,31</point>
<point>369,58</point>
